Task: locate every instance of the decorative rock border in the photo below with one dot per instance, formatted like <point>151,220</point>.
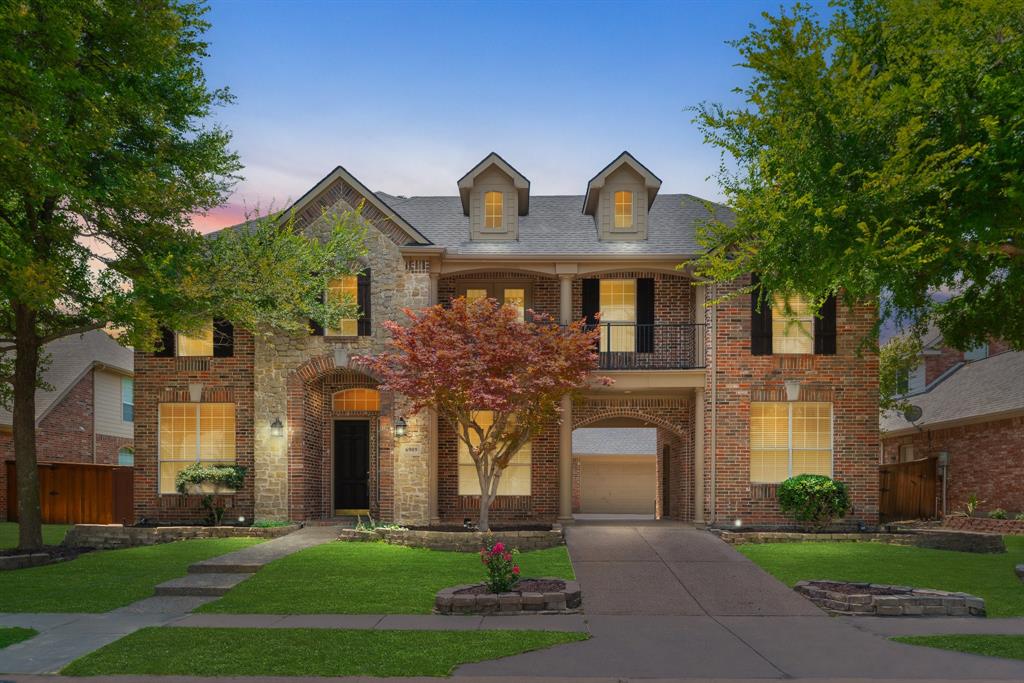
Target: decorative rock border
<point>565,601</point>
<point>882,600</point>
<point>936,539</point>
<point>26,560</point>
<point>1006,527</point>
<point>459,541</point>
<point>113,536</point>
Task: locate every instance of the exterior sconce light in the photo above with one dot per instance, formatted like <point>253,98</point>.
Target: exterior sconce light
<point>738,523</point>
<point>792,390</point>
<point>400,427</point>
<point>276,428</point>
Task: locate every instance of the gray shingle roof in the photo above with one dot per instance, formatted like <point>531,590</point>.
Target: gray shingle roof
<point>557,225</point>
<point>615,441</point>
<point>70,358</point>
<point>989,386</point>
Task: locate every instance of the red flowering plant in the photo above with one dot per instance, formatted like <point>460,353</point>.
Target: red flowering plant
<point>502,570</point>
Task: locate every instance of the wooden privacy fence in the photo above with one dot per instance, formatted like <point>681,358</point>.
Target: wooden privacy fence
<point>79,493</point>
<point>907,490</point>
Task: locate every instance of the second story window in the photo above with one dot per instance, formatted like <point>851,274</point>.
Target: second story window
<point>792,327</point>
<point>618,315</point>
<point>623,210</point>
<point>198,344</point>
<point>493,209</point>
<point>127,399</point>
<point>344,289</point>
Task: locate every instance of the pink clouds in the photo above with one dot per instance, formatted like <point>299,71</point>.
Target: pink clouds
<point>219,217</point>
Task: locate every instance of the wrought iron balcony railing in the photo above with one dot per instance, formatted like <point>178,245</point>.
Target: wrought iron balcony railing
<point>661,346</point>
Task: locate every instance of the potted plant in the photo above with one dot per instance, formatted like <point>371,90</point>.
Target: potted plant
<point>208,481</point>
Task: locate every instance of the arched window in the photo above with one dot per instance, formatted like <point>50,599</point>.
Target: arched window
<point>126,457</point>
<point>356,399</point>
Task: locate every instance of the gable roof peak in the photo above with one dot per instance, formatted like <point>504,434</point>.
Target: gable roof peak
<point>519,181</point>
<point>651,181</point>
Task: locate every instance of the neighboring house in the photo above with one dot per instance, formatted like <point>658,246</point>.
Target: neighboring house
<point>740,396</point>
<point>972,411</point>
<point>615,471</point>
<point>87,415</point>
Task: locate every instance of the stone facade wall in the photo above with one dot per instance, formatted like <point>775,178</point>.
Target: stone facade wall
<point>847,380</point>
<point>168,380</point>
<point>66,434</point>
<point>984,460</point>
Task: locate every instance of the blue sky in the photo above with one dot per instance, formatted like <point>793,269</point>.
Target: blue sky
<point>409,95</point>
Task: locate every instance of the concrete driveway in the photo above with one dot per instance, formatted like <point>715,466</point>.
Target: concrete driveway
<point>668,601</point>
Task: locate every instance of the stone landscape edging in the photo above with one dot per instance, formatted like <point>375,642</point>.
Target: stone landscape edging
<point>458,541</point>
<point>936,539</point>
<point>26,560</point>
<point>113,536</point>
<point>565,601</point>
<point>907,601</point>
<point>1006,527</point>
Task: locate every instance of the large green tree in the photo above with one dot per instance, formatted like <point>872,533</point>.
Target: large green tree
<point>105,153</point>
<point>880,153</point>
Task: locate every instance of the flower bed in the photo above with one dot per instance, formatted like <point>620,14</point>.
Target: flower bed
<point>882,600</point>
<point>112,536</point>
<point>458,541</point>
<point>936,539</point>
<point>1005,527</point>
<point>532,596</point>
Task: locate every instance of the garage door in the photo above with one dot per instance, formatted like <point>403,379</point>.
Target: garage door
<point>610,485</point>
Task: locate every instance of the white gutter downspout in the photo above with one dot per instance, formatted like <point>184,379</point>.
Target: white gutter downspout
<point>714,402</point>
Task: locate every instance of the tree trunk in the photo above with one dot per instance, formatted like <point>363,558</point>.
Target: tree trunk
<point>26,368</point>
<point>486,497</point>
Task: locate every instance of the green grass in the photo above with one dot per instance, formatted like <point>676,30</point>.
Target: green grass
<point>987,576</point>
<point>53,534</point>
<point>102,581</point>
<point>1010,647</point>
<point>12,634</point>
<point>368,578</point>
<point>305,652</point>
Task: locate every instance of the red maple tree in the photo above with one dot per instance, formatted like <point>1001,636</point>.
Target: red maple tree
<point>478,356</point>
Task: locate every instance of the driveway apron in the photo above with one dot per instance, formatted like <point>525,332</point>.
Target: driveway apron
<point>668,601</point>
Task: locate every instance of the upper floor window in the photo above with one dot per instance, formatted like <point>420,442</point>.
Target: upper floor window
<point>623,210</point>
<point>341,290</point>
<point>515,480</point>
<point>357,399</point>
<point>127,399</point>
<point>198,344</point>
<point>787,439</point>
<point>792,326</point>
<point>618,315</point>
<point>514,296</point>
<point>493,210</point>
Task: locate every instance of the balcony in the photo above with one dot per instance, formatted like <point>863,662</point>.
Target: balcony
<point>661,346</point>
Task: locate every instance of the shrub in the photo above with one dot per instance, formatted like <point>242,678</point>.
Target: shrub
<point>813,500</point>
<point>972,504</point>
<point>270,523</point>
<point>502,570</point>
<point>998,513</point>
<point>1020,517</point>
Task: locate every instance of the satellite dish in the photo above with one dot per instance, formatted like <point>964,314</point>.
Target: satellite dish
<point>912,413</point>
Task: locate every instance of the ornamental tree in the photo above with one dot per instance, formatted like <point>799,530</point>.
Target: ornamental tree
<point>879,154</point>
<point>105,154</point>
<point>478,356</point>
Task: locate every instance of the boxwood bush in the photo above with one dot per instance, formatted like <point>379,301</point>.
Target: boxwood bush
<point>813,500</point>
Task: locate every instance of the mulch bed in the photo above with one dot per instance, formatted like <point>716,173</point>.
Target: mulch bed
<point>56,552</point>
<point>524,586</point>
<point>854,589</point>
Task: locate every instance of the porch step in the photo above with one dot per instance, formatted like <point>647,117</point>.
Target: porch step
<point>214,567</point>
<point>214,584</point>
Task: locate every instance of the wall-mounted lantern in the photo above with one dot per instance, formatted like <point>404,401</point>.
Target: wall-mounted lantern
<point>276,428</point>
<point>792,390</point>
<point>400,427</point>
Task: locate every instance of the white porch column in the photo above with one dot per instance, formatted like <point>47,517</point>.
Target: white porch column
<point>698,456</point>
<point>432,511</point>
<point>565,276</point>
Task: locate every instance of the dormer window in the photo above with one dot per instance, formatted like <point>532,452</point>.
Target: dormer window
<point>493,205</point>
<point>623,210</point>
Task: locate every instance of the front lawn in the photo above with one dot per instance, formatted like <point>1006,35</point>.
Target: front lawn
<point>305,652</point>
<point>13,634</point>
<point>1010,647</point>
<point>987,576</point>
<point>102,581</point>
<point>368,578</point>
<point>53,534</point>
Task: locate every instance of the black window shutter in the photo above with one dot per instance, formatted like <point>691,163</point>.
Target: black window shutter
<point>166,343</point>
<point>825,328</point>
<point>364,326</point>
<point>591,299</point>
<point>223,338</point>
<point>315,328</point>
<point>760,322</point>
<point>645,315</point>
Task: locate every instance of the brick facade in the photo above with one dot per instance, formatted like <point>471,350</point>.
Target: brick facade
<point>984,460</point>
<point>848,380</point>
<point>66,434</point>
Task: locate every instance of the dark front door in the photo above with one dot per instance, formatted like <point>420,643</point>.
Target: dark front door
<point>351,464</point>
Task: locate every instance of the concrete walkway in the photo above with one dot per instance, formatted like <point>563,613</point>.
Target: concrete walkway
<point>65,637</point>
<point>667,601</point>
